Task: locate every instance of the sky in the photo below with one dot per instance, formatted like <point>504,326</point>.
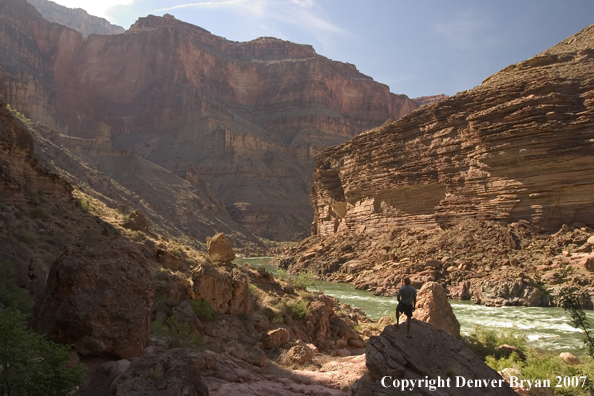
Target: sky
<point>416,47</point>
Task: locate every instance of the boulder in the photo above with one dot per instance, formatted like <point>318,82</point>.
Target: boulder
<point>434,308</point>
<point>227,290</point>
<point>98,297</point>
<point>588,262</point>
<point>300,354</point>
<point>275,338</point>
<point>219,250</point>
<point>506,350</point>
<point>161,373</point>
<point>215,286</point>
<point>317,322</point>
<point>569,358</point>
<point>430,352</point>
<point>137,221</point>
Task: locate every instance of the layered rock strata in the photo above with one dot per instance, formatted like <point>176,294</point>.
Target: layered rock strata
<point>518,147</point>
<point>250,117</point>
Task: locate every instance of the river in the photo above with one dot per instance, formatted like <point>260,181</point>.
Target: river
<point>547,329</point>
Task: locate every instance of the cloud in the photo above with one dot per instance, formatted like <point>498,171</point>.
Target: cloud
<point>94,7</point>
<point>204,4</point>
<point>305,14</point>
<point>468,31</point>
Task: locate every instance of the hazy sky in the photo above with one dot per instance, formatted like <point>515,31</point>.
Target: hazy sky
<point>417,47</point>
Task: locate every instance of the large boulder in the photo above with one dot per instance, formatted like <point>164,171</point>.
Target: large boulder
<point>226,289</point>
<point>162,373</point>
<point>219,250</point>
<point>434,308</point>
<point>430,353</point>
<point>98,297</point>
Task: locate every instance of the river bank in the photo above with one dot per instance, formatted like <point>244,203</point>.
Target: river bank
<point>545,328</point>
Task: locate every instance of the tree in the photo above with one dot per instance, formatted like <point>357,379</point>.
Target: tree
<point>31,365</point>
<point>571,302</point>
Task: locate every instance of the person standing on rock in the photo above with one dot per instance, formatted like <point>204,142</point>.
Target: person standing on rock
<point>407,300</point>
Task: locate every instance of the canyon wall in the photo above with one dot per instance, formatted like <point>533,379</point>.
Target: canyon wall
<point>75,18</point>
<point>518,147</point>
<point>250,118</point>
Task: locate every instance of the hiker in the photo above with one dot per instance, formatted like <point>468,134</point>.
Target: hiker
<point>407,299</point>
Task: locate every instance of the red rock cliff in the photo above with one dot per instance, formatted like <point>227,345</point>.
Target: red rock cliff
<point>250,117</point>
<point>518,147</point>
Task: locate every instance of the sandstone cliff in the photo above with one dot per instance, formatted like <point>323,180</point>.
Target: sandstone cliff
<point>492,186</point>
<point>75,18</point>
<point>518,147</point>
<point>249,117</point>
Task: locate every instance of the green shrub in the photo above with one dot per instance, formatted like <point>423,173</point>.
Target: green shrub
<point>484,342</point>
<point>161,303</point>
<point>203,309</point>
<point>282,275</point>
<point>254,291</point>
<point>85,205</point>
<point>304,279</point>
<point>10,294</point>
<point>299,309</point>
<point>31,365</point>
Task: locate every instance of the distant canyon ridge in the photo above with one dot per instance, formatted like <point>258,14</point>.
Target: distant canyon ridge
<point>247,118</point>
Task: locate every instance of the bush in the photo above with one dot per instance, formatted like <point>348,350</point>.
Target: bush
<point>177,334</point>
<point>304,279</point>
<point>85,205</point>
<point>10,294</point>
<point>31,365</point>
<point>203,309</point>
<point>299,309</point>
<point>484,342</point>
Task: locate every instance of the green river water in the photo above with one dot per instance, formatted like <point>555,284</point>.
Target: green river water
<point>547,329</point>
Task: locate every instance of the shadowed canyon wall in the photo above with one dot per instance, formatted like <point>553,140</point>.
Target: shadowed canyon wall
<point>248,117</point>
<point>518,147</point>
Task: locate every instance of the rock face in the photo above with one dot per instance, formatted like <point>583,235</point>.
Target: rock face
<point>76,18</point>
<point>434,308</point>
<point>219,250</point>
<point>431,352</point>
<point>517,147</point>
<point>227,289</point>
<point>163,373</point>
<point>101,303</point>
<point>249,117</point>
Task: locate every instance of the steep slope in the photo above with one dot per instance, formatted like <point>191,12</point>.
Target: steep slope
<point>174,207</point>
<point>490,191</point>
<point>249,117</point>
<point>75,18</point>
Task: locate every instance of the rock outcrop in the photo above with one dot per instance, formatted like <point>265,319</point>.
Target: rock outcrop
<point>249,117</point>
<point>517,147</point>
<point>219,250</point>
<point>162,373</point>
<point>75,18</point>
<point>98,297</point>
<point>434,308</point>
<point>430,355</point>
